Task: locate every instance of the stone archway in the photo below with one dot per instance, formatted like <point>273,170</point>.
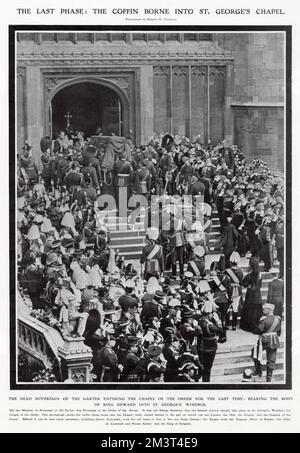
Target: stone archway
<point>104,102</point>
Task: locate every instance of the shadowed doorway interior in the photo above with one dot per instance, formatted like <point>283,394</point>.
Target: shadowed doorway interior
<point>90,107</point>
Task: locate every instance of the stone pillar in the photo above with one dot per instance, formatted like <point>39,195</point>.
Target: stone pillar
<point>75,360</point>
<point>21,132</point>
<point>146,103</point>
<point>228,114</point>
<point>34,111</point>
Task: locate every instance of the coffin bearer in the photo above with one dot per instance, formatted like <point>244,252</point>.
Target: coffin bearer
<point>122,175</point>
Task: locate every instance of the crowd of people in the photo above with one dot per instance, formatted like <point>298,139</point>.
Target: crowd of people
<point>148,327</point>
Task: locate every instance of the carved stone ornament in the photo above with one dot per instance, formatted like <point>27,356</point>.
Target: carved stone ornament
<point>217,71</point>
<point>122,82</point>
<point>198,71</point>
<point>161,71</point>
<point>180,71</point>
<point>79,374</point>
<point>50,83</point>
<point>21,72</point>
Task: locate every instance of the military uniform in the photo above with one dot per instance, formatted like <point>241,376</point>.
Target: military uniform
<point>73,179</point>
<point>222,289</point>
<point>208,346</point>
<point>127,302</point>
<point>196,266</point>
<point>122,172</point>
<point>152,256</point>
<point>89,169</point>
<point>269,329</point>
<point>108,365</point>
<point>151,309</point>
<point>142,181</point>
<point>171,356</point>
<point>46,170</point>
<point>236,276</point>
<point>131,362</point>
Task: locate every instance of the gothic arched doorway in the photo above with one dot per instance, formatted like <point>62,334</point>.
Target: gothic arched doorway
<point>89,107</point>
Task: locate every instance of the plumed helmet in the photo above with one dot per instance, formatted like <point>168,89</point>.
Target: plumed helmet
<point>129,283</point>
<point>68,220</point>
<point>197,226</point>
<point>38,219</point>
<point>152,285</point>
<point>152,233</point>
<point>235,258</point>
<point>203,286</point>
<point>33,233</point>
<point>209,306</point>
<point>46,226</point>
<point>174,302</point>
<point>199,251</point>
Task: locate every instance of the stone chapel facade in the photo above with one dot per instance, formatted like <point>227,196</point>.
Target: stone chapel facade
<point>218,85</point>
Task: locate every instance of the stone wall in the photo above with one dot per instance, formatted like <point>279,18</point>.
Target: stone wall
<point>258,94</point>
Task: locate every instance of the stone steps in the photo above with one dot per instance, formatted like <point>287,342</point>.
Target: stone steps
<point>239,357</point>
<point>128,239</point>
<point>278,377</point>
<point>234,356</point>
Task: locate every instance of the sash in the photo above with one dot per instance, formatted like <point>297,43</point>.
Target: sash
<point>218,283</point>
<point>233,277</point>
<point>153,252</point>
<point>195,268</point>
<point>271,329</point>
<point>206,225</point>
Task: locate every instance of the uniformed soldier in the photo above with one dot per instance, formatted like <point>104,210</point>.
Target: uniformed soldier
<point>208,345</point>
<point>236,276</point>
<point>142,180</point>
<point>269,329</point>
<point>122,175</point>
<point>128,300</point>
<point>221,287</point>
<point>73,178</point>
<point>109,369</point>
<point>171,354</point>
<point>153,309</point>
<point>196,187</point>
<point>197,265</point>
<point>28,168</point>
<point>132,360</point>
<point>187,372</point>
<point>152,255</point>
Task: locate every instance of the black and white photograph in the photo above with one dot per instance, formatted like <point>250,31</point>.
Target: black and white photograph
<point>150,207</point>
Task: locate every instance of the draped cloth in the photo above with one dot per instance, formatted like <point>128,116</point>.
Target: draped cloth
<point>113,145</point>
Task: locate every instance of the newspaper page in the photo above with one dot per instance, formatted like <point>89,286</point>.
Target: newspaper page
<point>149,196</point>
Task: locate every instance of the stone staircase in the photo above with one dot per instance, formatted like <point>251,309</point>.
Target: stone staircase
<point>232,357</point>
<point>231,361</point>
<point>128,239</point>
